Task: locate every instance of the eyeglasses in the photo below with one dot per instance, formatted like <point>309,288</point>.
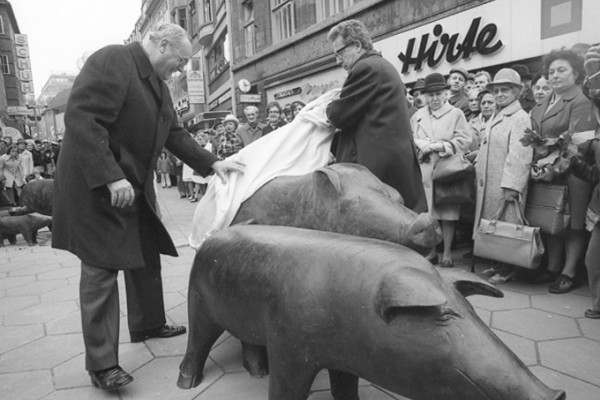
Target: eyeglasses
<point>182,60</point>
<point>338,52</point>
<point>503,90</point>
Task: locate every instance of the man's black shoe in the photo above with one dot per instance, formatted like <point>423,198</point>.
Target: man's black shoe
<point>165,331</point>
<point>111,378</point>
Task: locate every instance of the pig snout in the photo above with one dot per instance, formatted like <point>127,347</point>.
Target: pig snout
<point>425,232</point>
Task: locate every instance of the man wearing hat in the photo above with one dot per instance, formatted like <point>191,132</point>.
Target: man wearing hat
<point>372,115</point>
<point>417,93</point>
<point>526,96</point>
<point>456,81</point>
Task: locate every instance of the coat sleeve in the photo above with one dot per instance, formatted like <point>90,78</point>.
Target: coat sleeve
<point>461,139</point>
<point>94,104</point>
<point>518,160</point>
<point>582,115</point>
<point>358,92</point>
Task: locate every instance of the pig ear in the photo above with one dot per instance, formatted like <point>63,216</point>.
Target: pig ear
<point>413,288</point>
<point>469,284</point>
<point>327,176</point>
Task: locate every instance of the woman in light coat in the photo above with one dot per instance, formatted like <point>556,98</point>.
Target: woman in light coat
<point>439,130</point>
<point>503,163</point>
<point>11,172</point>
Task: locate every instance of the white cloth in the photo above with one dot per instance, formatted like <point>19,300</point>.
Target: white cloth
<point>294,149</point>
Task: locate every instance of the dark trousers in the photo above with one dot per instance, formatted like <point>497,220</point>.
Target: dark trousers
<point>100,314</point>
<point>592,262</point>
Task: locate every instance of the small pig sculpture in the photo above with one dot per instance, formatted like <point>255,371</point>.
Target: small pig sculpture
<point>36,197</point>
<point>343,198</point>
<point>27,225</point>
<point>358,307</point>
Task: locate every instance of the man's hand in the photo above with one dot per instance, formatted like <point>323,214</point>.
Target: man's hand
<point>222,168</point>
<point>121,193</point>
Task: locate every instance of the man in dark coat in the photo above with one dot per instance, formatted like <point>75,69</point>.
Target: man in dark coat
<point>118,119</point>
<point>372,115</point>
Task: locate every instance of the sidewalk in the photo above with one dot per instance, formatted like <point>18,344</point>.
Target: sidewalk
<point>41,348</point>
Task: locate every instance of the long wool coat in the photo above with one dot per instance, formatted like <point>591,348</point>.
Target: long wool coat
<point>575,113</point>
<point>372,115</point>
<point>502,162</point>
<point>119,117</point>
<point>448,124</point>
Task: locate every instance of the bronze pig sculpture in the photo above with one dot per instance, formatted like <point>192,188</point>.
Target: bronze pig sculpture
<point>36,197</point>
<point>358,307</point>
<point>343,198</point>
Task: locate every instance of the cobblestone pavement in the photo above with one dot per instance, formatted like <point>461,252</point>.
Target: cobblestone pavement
<point>41,348</point>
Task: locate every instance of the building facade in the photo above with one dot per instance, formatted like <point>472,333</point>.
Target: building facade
<point>281,46</point>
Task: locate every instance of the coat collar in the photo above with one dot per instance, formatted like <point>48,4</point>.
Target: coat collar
<point>145,69</point>
<point>369,53</point>
<point>539,113</point>
<point>507,111</point>
<point>444,109</point>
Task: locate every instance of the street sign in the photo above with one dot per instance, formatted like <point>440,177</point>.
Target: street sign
<point>250,98</point>
<point>19,110</point>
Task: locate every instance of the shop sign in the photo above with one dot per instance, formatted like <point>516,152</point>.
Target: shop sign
<point>482,41</point>
<point>287,93</point>
<point>19,110</point>
<point>23,63</point>
<point>250,98</point>
<point>195,83</point>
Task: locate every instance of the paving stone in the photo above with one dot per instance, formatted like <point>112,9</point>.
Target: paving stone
<point>158,380</point>
<point>19,385</point>
<point>69,323</point>
<point>43,353</point>
<point>535,324</point>
<point>228,355</point>
<point>511,300</point>
<point>34,288</point>
<point>174,299</point>
<point>175,283</point>
<point>242,384</point>
<point>11,304</point>
<point>575,388</point>
<point>484,315</point>
<point>15,336</point>
<point>13,282</point>
<point>41,313</point>
<point>523,348</point>
<point>174,346</point>
<point>574,357</point>
<point>590,328</point>
<point>34,269</point>
<point>520,286</point>
<point>85,393</point>
<point>179,314</point>
<point>568,304</point>
<point>63,293</point>
<point>61,273</point>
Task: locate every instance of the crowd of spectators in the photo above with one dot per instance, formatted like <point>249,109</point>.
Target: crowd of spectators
<point>495,114</point>
<point>23,160</point>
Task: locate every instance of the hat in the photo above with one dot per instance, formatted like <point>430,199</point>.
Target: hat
<point>419,84</point>
<point>434,82</point>
<point>461,71</point>
<point>232,118</point>
<point>506,76</point>
<point>217,122</point>
<point>523,71</point>
<point>471,77</point>
<point>21,140</point>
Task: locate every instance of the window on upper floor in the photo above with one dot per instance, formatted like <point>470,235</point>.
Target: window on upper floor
<point>249,33</point>
<point>218,57</point>
<point>292,16</point>
<point>1,25</point>
<point>193,19</point>
<point>181,17</point>
<point>207,11</point>
<point>4,64</point>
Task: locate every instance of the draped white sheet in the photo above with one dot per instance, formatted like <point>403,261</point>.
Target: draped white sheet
<point>295,149</point>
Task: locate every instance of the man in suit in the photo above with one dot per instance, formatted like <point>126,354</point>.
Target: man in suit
<point>372,115</point>
<point>118,119</point>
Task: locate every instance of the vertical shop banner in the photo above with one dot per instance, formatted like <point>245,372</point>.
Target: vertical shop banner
<point>23,65</point>
<point>195,82</point>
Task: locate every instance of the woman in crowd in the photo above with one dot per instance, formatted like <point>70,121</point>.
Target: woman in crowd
<point>472,96</point>
<point>440,130</point>
<point>567,109</point>
<point>296,107</point>
<point>477,125</point>
<point>228,142</point>
<point>165,167</point>
<point>541,88</point>
<point>503,163</point>
<point>11,172</point>
<point>275,117</point>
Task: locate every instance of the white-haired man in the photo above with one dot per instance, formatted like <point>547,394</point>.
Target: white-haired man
<point>118,119</point>
<point>253,128</point>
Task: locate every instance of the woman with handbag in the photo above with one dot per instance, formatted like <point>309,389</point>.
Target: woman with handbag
<point>440,130</point>
<point>567,110</point>
<point>503,163</point>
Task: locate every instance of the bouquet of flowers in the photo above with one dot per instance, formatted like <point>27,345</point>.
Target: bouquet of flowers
<point>552,156</point>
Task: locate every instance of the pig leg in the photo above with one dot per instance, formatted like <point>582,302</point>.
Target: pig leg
<point>291,374</point>
<point>30,236</point>
<point>344,386</point>
<point>203,333</point>
<point>254,359</point>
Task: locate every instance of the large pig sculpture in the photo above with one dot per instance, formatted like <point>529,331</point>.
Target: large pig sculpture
<point>343,198</point>
<point>356,306</point>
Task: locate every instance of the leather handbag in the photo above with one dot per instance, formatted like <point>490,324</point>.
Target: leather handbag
<point>548,207</point>
<point>461,191</point>
<point>513,243</point>
<point>452,168</point>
